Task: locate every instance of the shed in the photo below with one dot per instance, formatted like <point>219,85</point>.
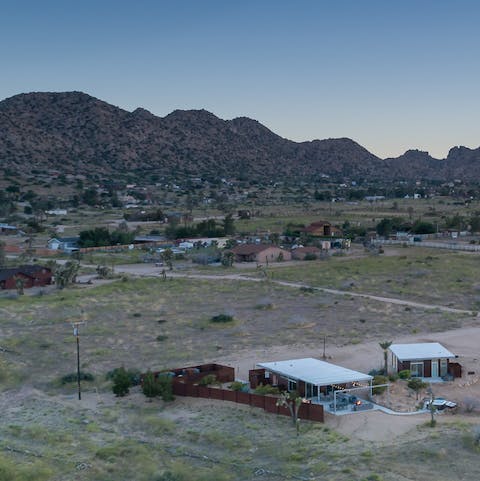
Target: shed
<point>425,359</point>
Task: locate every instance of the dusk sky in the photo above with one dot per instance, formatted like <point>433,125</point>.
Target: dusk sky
<point>392,75</point>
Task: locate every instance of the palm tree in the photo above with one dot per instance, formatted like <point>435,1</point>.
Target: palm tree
<point>385,345</point>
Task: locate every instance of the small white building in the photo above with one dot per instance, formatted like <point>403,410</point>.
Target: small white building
<point>425,360</point>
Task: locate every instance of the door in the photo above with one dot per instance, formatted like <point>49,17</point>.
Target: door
<point>434,367</point>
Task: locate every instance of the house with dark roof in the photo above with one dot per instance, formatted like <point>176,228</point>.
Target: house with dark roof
<point>31,275</point>
<point>260,253</point>
<point>323,229</point>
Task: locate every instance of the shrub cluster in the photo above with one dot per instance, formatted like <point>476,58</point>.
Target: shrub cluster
<point>72,377</point>
<point>221,318</point>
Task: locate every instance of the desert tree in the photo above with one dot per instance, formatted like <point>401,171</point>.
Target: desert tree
<point>416,384</point>
<point>19,284</point>
<point>292,401</point>
<point>167,257</point>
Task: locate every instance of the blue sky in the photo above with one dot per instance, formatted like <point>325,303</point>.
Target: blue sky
<point>391,75</point>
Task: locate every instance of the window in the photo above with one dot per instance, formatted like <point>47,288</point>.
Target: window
<point>416,369</point>
<point>292,385</point>
<point>443,367</point>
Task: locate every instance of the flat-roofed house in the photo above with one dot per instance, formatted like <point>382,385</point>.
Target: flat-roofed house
<point>425,360</point>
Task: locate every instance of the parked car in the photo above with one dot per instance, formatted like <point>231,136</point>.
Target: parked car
<point>440,404</point>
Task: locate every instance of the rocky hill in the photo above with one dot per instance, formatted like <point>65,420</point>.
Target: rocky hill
<point>75,133</point>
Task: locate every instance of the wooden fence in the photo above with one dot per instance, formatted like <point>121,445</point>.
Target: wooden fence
<point>308,411</point>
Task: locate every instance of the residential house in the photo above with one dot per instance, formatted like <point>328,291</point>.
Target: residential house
<point>8,229</point>
<point>310,377</point>
<point>260,253</point>
<point>323,229</point>
<point>32,276</point>
<point>425,360</point>
<point>66,244</point>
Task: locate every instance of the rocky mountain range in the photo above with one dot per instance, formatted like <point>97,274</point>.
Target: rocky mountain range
<point>75,133</point>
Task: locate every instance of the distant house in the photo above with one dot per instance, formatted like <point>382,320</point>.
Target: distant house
<point>56,212</point>
<point>32,276</point>
<point>323,229</point>
<point>66,244</point>
<point>260,253</point>
<point>8,229</point>
<point>301,252</point>
<point>426,360</point>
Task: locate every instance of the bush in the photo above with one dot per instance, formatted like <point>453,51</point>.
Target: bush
<point>393,377</point>
<point>222,318</point>
<point>310,257</point>
<point>379,379</point>
<point>121,382</point>
<point>267,389</point>
<point>208,379</point>
<point>150,385</point>
<point>416,384</point>
<point>132,373</point>
<point>405,374</point>
<point>72,377</point>
<point>237,386</point>
<point>160,385</point>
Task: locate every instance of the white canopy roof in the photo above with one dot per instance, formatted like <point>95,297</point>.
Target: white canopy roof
<point>420,351</point>
<point>314,371</point>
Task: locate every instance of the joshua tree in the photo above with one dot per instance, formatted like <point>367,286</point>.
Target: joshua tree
<point>292,401</point>
<point>167,256</point>
<point>385,345</point>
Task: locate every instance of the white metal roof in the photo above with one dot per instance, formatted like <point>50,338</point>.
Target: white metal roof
<point>420,351</point>
<point>314,371</point>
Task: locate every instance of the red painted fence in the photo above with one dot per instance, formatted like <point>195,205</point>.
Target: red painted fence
<point>311,412</point>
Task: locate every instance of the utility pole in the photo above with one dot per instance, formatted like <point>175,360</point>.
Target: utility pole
<point>324,343</point>
<point>76,333</point>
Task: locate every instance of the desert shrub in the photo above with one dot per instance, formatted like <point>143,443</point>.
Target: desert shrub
<point>309,290</point>
<point>166,387</point>
<point>132,373</point>
<point>405,374</point>
<point>416,384</point>
<point>221,318</point>
<point>208,379</point>
<point>379,379</point>
<point>162,337</point>
<point>237,386</point>
<point>266,389</point>
<point>160,385</point>
<point>121,382</point>
<point>373,477</point>
<point>150,385</point>
<point>72,377</point>
<point>393,377</point>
